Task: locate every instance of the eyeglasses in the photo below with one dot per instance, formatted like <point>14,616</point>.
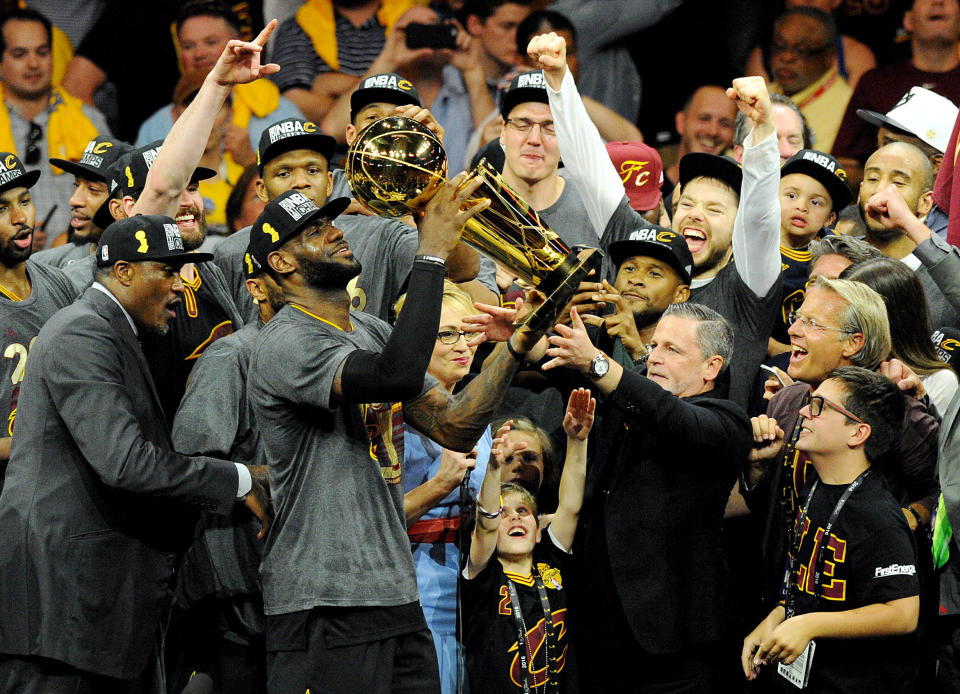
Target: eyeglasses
<point>810,324</point>
<point>816,403</point>
<point>452,337</point>
<point>523,125</point>
<point>32,156</point>
<point>802,51</point>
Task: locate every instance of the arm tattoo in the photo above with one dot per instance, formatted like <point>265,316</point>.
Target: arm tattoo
<point>457,421</point>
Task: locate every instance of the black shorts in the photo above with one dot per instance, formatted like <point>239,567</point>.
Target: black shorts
<point>316,656</point>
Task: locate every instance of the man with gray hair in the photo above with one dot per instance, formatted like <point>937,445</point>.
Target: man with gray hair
<point>793,133</point>
<point>831,255</point>
<point>840,323</point>
<point>663,467</point>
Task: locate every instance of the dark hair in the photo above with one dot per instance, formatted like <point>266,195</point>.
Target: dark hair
<point>24,15</point>
<point>235,201</point>
<point>827,21</point>
<point>877,401</point>
<point>693,92</point>
<point>540,21</point>
<point>208,8</point>
<point>484,8</point>
<point>907,311</point>
<point>740,128</point>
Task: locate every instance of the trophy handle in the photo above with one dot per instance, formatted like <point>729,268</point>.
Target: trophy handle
<point>561,284</point>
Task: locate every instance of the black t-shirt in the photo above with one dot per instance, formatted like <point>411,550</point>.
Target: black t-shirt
<point>490,629</point>
<point>869,558</point>
<point>200,321</point>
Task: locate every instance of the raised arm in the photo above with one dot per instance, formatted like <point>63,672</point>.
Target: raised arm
<point>756,229</point>
<point>577,423</point>
<point>583,151</point>
<point>170,174</point>
<point>483,541</point>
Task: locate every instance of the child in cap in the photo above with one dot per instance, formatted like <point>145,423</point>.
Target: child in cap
<point>516,629</point>
<point>813,190</point>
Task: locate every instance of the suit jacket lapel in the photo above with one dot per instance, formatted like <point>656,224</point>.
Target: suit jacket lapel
<point>109,309</point>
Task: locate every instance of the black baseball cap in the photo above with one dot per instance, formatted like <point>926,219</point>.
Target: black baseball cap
<point>97,157</point>
<point>102,217</point>
<point>133,178</point>
<point>386,88</point>
<point>283,217</point>
<point>13,174</point>
<point>947,343</point>
<point>824,169</point>
<point>527,86</point>
<point>290,134</point>
<point>655,241</point>
<point>145,237</point>
<point>723,168</point>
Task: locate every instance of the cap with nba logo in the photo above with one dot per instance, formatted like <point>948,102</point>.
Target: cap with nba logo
<point>99,154</point>
<point>655,241</point>
<point>290,134</point>
<point>824,169</point>
<point>947,343</point>
<point>385,88</point>
<point>12,173</point>
<point>145,237</point>
<point>133,178</point>
<point>282,218</point>
<point>527,86</point>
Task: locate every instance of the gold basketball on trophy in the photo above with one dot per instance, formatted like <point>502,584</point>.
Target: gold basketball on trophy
<point>395,166</point>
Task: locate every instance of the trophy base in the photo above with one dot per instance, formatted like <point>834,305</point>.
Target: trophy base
<point>561,284</point>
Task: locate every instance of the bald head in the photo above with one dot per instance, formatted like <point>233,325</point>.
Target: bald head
<point>904,166</point>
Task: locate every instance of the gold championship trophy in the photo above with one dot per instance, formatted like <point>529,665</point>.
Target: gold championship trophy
<point>396,165</point>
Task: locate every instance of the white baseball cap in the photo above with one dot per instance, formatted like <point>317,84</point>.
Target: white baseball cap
<point>921,113</point>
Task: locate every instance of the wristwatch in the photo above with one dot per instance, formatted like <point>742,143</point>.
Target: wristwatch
<point>599,366</point>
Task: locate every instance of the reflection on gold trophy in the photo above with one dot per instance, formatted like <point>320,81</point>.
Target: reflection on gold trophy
<point>396,165</point>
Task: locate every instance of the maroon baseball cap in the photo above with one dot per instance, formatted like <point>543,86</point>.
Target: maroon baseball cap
<point>641,171</point>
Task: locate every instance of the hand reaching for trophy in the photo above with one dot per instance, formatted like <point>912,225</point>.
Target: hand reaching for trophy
<point>446,213</point>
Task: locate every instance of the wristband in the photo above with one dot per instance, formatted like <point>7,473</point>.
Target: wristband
<point>435,260</point>
<point>488,514</point>
<point>916,514</point>
<point>515,354</point>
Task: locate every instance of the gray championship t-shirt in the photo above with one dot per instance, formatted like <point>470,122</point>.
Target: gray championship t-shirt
<point>62,256</point>
<point>752,318</point>
<point>215,417</point>
<point>336,471</point>
<point>20,322</point>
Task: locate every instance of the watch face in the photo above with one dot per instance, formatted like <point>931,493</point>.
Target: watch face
<point>599,366</point>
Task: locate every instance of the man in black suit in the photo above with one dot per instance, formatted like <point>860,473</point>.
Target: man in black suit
<point>96,502</point>
<point>649,602</point>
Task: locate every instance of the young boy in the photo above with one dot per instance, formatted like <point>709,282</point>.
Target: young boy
<point>515,623</point>
<point>813,189</point>
<point>852,566</point>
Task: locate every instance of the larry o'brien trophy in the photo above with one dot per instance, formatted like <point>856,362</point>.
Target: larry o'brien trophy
<point>396,165</point>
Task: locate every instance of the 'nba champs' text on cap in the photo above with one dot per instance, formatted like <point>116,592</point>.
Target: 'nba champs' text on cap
<point>824,169</point>
<point>99,154</point>
<point>12,173</point>
<point>527,86</point>
<point>283,217</point>
<point>655,241</point>
<point>385,88</point>
<point>290,134</point>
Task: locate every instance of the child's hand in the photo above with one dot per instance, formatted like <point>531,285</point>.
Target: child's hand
<point>578,419</point>
<point>503,447</point>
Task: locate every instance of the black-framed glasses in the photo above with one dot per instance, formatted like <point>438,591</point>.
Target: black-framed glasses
<point>810,324</point>
<point>524,125</point>
<point>817,402</point>
<point>32,154</point>
<point>452,337</point>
